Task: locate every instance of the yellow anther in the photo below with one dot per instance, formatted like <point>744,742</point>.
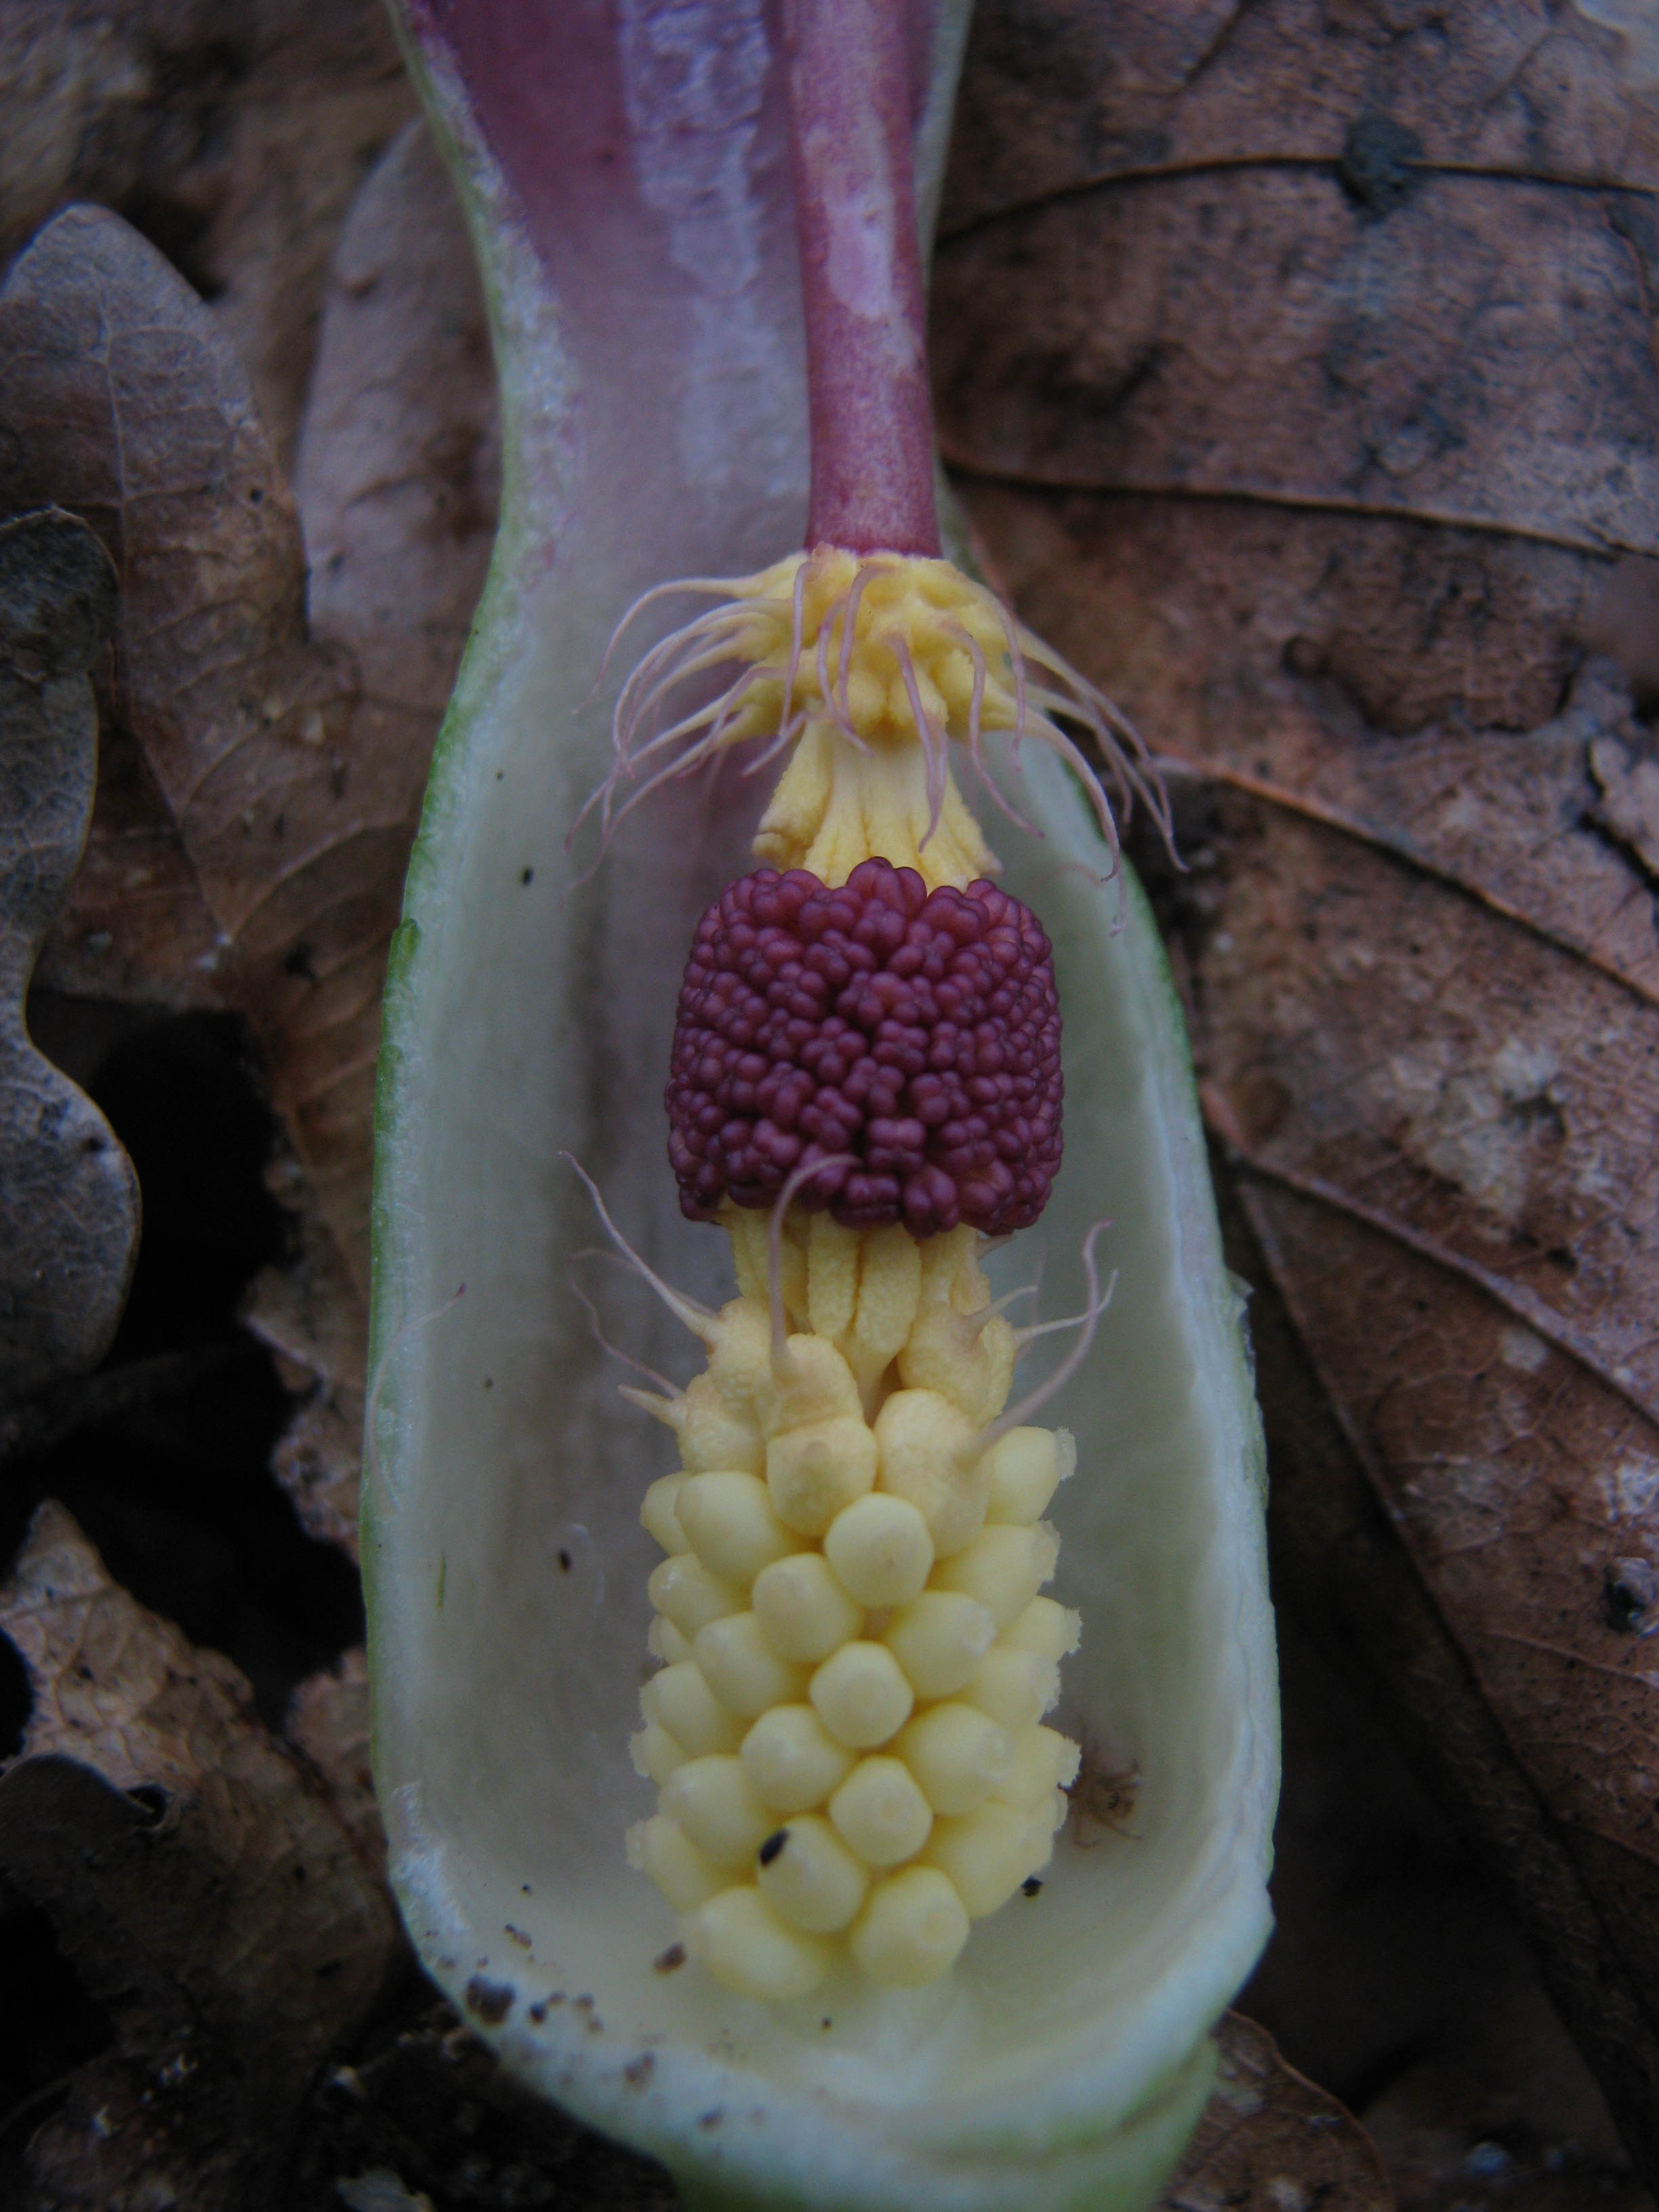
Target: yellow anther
<point>969,1360</point>
<point>740,1367</point>
<point>834,1259</point>
<point>710,1434</point>
<point>834,806</point>
<point>923,1440</point>
<point>816,1386</point>
<point>889,1289</point>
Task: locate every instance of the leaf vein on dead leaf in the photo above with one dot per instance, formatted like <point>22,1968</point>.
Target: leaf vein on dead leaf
<point>1124,485</point>
<point>1221,165</point>
<point>1641,1676</point>
<point>1526,1305</point>
<point>1410,854</point>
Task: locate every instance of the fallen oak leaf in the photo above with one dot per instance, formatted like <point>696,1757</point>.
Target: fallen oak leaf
<point>1421,973</point>
<point>122,395</point>
<point>233,133</point>
<point>396,486</point>
<point>1628,777</point>
<point>68,1197</point>
<point>399,483</point>
<point>204,1891</point>
<point>1529,824</point>
<point>1269,2138</point>
<point>1061,100</point>
<point>434,2108</point>
<point>327,1723</point>
<point>398,475</point>
<point>281,811</point>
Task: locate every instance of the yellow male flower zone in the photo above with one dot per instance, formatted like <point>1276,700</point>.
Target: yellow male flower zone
<point>848,1730</point>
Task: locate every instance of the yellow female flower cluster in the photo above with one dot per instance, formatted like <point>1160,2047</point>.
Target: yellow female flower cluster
<point>847,1731</point>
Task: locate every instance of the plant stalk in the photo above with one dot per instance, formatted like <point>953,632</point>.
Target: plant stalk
<point>860,266</point>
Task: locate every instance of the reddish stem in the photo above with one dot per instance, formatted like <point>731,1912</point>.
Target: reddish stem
<point>855,211</point>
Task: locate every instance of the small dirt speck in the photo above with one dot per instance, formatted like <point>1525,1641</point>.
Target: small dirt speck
<point>490,2000</point>
<point>667,1961</point>
<point>638,2071</point>
<point>1379,166</point>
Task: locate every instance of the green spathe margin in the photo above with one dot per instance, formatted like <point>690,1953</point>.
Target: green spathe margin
<point>1096,2119</point>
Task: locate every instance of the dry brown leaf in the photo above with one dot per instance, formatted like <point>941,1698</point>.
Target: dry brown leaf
<point>256,808</point>
<point>311,1314</point>
<point>398,472</point>
<point>396,485</point>
<point>122,398</point>
<point>433,2117</point>
<point>1270,2140</point>
<point>1299,362</point>
<point>207,1896</point>
<point>68,1197</point>
<point>232,133</point>
<point>327,1723</point>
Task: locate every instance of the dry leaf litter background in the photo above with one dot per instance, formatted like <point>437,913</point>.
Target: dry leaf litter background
<point>1294,362</point>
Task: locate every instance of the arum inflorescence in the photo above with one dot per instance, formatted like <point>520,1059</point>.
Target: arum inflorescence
<point>652,344</point>
<point>847,1730</point>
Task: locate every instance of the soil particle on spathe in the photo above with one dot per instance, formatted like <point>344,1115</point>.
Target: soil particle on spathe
<point>490,2002</point>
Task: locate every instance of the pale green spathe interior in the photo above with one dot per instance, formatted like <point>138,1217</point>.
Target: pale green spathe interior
<point>1063,2060</point>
